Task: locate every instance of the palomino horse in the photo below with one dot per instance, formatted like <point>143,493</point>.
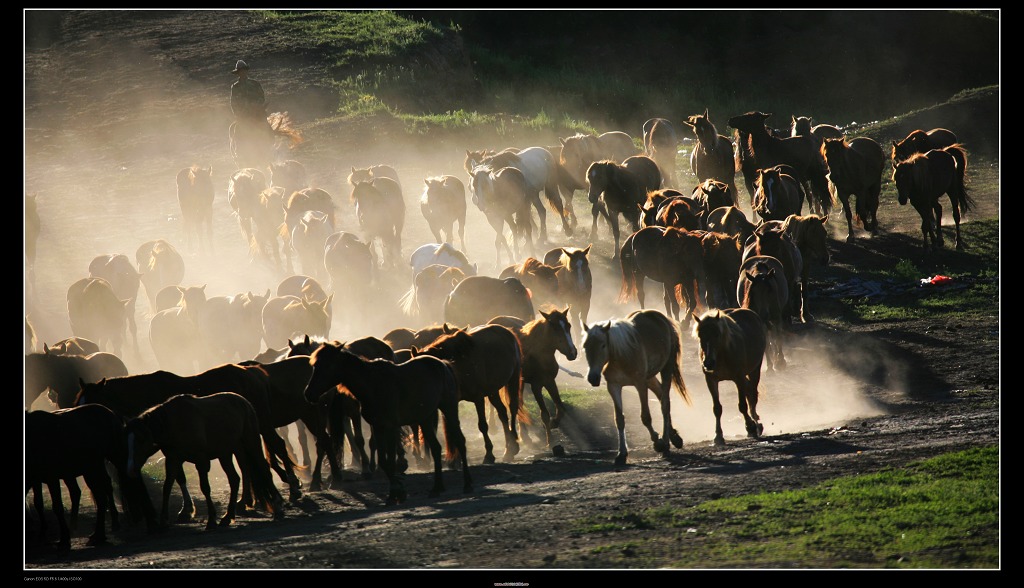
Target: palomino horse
<point>443,204</point>
<point>660,144</point>
<point>95,312</point>
<point>540,339</point>
<point>712,156</point>
<point>393,396</point>
<point>118,270</point>
<point>575,281</point>
<point>503,196</point>
<point>855,168</point>
<point>195,196</point>
<point>541,174</point>
<point>732,348</point>
<point>620,189</point>
<point>477,299</point>
<point>160,265</point>
<point>918,141</point>
<point>767,150</point>
<point>923,179</point>
<point>488,364</point>
<point>762,288</point>
<point>380,210</point>
<point>633,352</point>
<point>777,193</point>
<point>199,429</point>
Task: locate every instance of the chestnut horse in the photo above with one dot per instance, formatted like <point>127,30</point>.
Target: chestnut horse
<point>855,168</point>
<point>923,179</point>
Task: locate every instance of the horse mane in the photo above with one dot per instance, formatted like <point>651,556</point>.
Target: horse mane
<point>451,250</point>
<point>731,332</point>
<point>624,342</point>
<point>456,344</point>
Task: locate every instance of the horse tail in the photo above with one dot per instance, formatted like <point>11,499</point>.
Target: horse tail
<point>265,494</point>
<point>677,373</point>
<point>513,392</point>
<point>135,499</point>
<point>409,303</point>
<point>337,422</point>
<point>627,261</point>
<point>554,199</point>
<point>960,195</point>
<point>454,441</point>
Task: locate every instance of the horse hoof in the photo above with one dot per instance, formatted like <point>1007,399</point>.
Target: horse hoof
<point>183,519</point>
<point>489,459</point>
<point>719,442</point>
<point>94,541</point>
<point>558,451</point>
<point>677,440</point>
<point>661,446</point>
<point>314,486</point>
<point>620,459</point>
<point>226,522</point>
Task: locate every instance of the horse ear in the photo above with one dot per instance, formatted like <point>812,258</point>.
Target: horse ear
<point>544,314</point>
<point>561,141</point>
<point>413,351</point>
<point>695,317</point>
<point>305,341</point>
<point>353,169</point>
<point>292,345</point>
<point>705,112</point>
<point>587,250</point>
<point>585,327</point>
<point>567,308</point>
<point>46,350</point>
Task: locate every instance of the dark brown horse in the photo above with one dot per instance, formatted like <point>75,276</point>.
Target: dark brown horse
<point>731,221</point>
<point>855,169</point>
<point>712,194</point>
<point>392,396</point>
<point>809,234</point>
<point>918,141</point>
<point>762,288</point>
<point>478,299</point>
<point>443,204</point>
<point>663,254</point>
<point>488,363</point>
<point>81,441</point>
<point>766,150</point>
<point>579,151</point>
<point>195,197</point>
<point>732,348</point>
<point>777,194</point>
<point>620,189</point>
<point>61,374</point>
<point>199,429</point>
<point>712,156</point>
<point>660,144</point>
<point>771,239</point>
<point>540,339</point>
<point>634,351</point>
<point>575,281</point>
<point>923,179</point>
<point>540,278</point>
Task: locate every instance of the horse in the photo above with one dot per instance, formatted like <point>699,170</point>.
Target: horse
<point>440,254</point>
<point>195,197</point>
<point>477,299</point>
<point>803,126</point>
<point>129,396</point>
<point>254,144</point>
<point>777,193</point>
<point>286,316</point>
<point>199,429</point>
<point>392,396</point>
<point>575,281</point>
<point>809,234</point>
<point>660,143</point>
<point>771,239</point>
<point>295,208</point>
<point>73,346</point>
<point>581,150</point>
<point>309,239</point>
<point>402,338</point>
<point>373,172</point>
<point>540,172</point>
<point>855,168</point>
<point>175,337</point>
<point>682,212</point>
<point>712,194</point>
<point>442,204</point>
<point>244,189</point>
<point>267,221</point>
<point>731,221</point>
<point>503,196</point>
<point>732,348</point>
<point>429,289</point>
<point>61,374</point>
<point>762,288</point>
<point>632,352</point>
<point>160,265</point>
<point>118,270</point>
<point>81,441</point>
<point>712,156</point>
<point>618,189</point>
<point>918,141</point>
<point>539,340</point>
<point>488,364</point>
<point>766,150</point>
<point>350,267</point>
<point>380,210</point>
<point>668,255</point>
<point>539,278</point>
<point>923,178</point>
<point>232,326</point>
<point>95,312</point>
<point>288,176</point>
<point>302,286</point>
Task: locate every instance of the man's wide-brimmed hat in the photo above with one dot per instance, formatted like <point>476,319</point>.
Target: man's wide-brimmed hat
<point>239,66</point>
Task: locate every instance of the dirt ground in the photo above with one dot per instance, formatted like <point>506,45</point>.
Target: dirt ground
<point>111,117</point>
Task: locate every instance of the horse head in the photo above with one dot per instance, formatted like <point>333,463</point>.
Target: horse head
<point>558,321</point>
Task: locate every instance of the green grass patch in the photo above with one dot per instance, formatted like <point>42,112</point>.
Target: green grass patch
<point>939,513</point>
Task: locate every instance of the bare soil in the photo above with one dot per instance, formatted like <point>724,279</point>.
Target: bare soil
<point>115,107</point>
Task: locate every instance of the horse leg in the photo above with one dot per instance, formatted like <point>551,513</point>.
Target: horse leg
<point>613,220</point>
<point>276,446</point>
<point>203,470</point>
<point>845,199</point>
<point>57,504</point>
<point>661,391</point>
<point>508,426</point>
<point>660,444</point>
<point>102,490</point>
<point>747,388</point>
<point>228,466</point>
<point>387,438</point>
<point>481,423</point>
<point>955,211</point>
<point>75,494</point>
<point>716,408</point>
<point>430,439</point>
<point>545,416</point>
<point>938,225</point>
<point>615,391</point>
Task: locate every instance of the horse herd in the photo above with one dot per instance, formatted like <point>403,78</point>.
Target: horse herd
<point>235,369</point>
